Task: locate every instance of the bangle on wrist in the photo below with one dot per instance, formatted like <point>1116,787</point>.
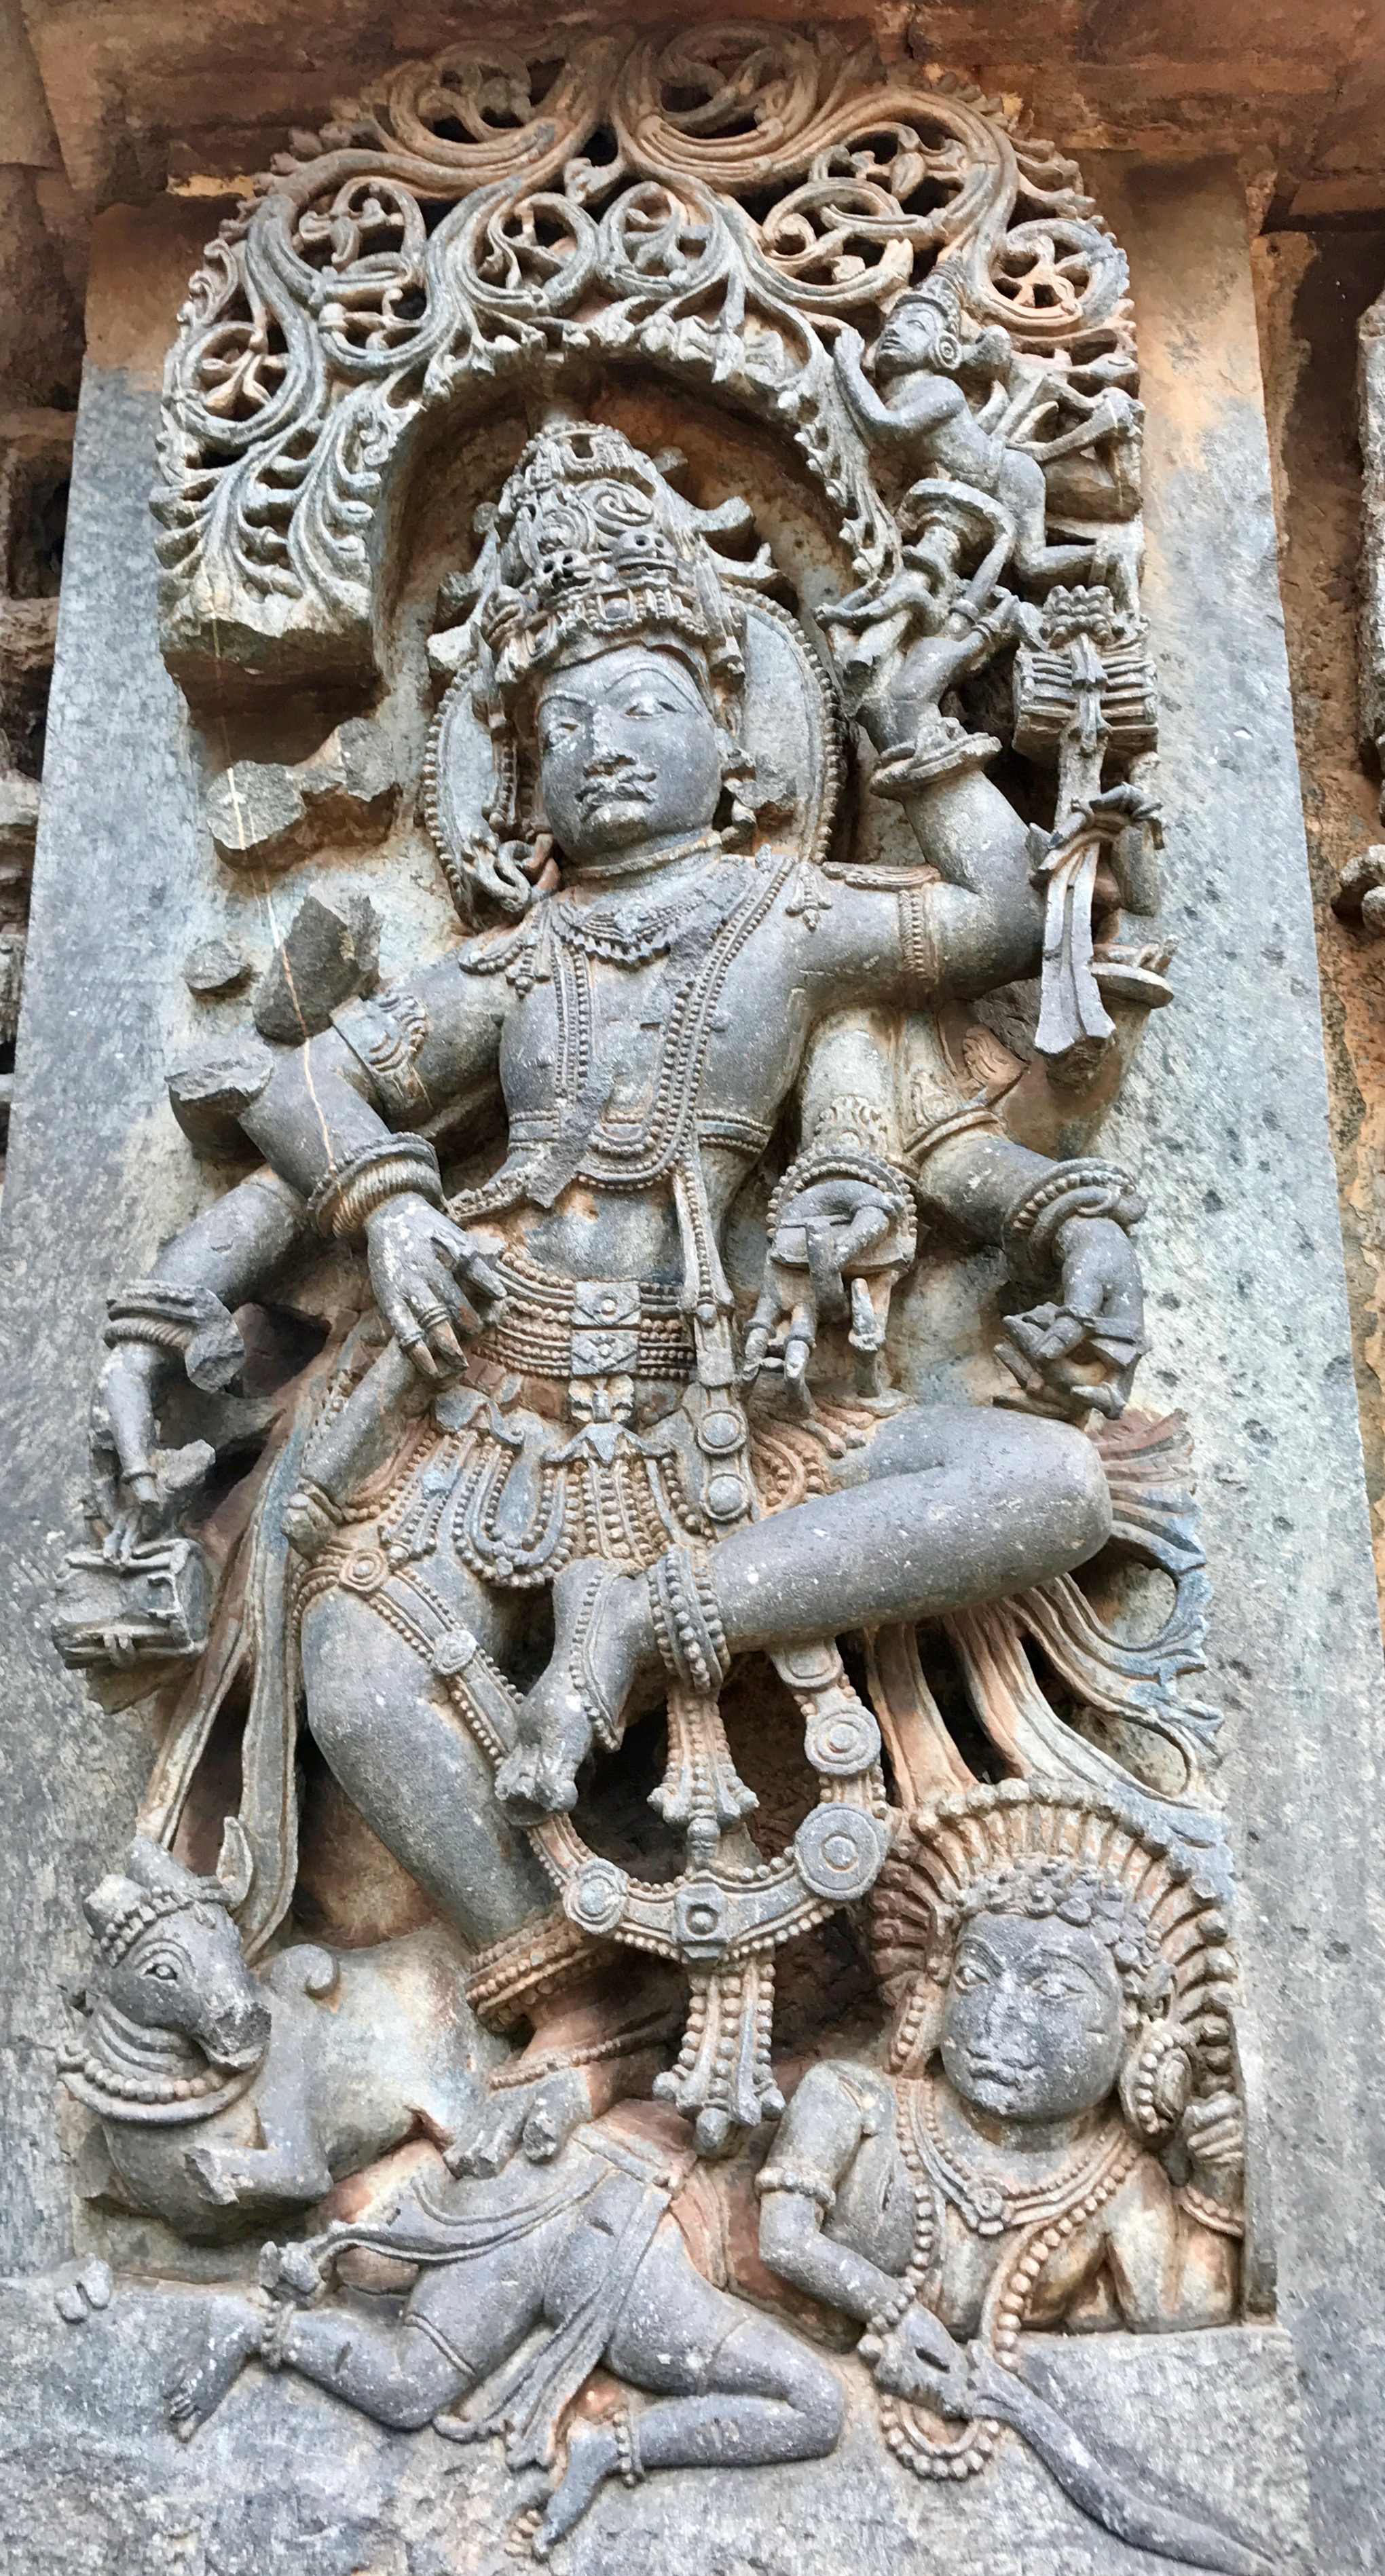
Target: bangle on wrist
<point>346,1199</point>
<point>190,1323</point>
<point>1220,2216</point>
<point>1082,1188</point>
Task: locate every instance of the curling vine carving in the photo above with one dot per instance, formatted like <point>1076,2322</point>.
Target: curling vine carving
<point>717,205</point>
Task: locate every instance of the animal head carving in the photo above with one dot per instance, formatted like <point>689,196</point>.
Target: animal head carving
<point>170,1955</point>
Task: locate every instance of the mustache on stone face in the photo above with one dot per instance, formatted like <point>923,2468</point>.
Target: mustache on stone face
<point>994,2070</point>
<point>616,782</point>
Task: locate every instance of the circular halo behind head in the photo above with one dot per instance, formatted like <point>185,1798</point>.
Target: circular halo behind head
<point>1034,1847</point>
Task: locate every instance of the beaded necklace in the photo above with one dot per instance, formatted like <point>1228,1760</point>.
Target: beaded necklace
<point>987,2207</point>
<point>1042,2220</point>
<point>145,2077</point>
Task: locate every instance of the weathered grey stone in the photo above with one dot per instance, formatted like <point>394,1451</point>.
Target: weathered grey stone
<point>330,951</point>
<point>215,966</point>
<point>209,1096</point>
<point>264,815</point>
<point>94,2482</point>
<point>93,1146</point>
<point>1227,1110</point>
<point>1295,1610</point>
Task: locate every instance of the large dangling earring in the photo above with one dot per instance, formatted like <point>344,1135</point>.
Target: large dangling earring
<point>737,773</point>
<point>1156,2083</point>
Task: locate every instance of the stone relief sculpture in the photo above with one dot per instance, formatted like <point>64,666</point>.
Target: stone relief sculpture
<point>725,1322</point>
<point>1059,2011</point>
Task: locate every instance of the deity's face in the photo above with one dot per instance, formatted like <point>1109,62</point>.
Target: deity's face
<point>629,753</point>
<point>1032,2026</point>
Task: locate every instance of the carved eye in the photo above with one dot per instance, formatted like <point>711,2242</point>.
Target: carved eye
<point>1056,1986</point>
<point>164,1970</point>
<point>969,1973</point>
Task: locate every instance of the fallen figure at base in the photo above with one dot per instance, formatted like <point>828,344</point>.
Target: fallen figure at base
<point>580,2242</point>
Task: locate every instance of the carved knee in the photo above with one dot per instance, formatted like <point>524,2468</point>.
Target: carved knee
<point>811,2387</point>
<point>1076,1491</point>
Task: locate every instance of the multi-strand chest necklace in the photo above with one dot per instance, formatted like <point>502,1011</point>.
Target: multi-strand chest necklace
<point>1035,2221</point>
<point>702,948</point>
<point>632,937</point>
<point>986,2206</point>
<point>701,942</point>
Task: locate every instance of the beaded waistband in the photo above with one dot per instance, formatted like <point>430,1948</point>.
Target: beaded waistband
<point>558,1328</point>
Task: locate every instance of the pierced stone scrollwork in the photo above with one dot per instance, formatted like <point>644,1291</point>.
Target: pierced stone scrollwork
<point>455,229</point>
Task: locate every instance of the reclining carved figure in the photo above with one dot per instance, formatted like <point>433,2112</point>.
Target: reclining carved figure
<point>224,2096</point>
<point>577,2241</point>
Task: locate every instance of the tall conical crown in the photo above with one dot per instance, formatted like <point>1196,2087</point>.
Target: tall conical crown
<point>593,548</point>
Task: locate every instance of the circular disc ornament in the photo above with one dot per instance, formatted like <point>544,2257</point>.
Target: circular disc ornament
<point>840,1852</point>
<point>594,1897</point>
<point>843,1742</point>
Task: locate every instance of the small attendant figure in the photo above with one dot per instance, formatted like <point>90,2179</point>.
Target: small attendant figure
<point>1054,2140</point>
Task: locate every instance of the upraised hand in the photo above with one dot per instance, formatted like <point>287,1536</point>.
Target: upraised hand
<point>1214,2133</point>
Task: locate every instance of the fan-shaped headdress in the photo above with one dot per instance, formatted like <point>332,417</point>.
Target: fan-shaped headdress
<point>1039,1848</point>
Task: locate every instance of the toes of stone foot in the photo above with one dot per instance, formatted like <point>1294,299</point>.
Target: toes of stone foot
<point>514,1781</point>
<point>80,2292</point>
<point>96,2282</point>
<point>492,2143</point>
<point>556,1792</point>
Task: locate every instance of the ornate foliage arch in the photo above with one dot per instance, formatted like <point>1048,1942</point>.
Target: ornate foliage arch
<point>714,205</point>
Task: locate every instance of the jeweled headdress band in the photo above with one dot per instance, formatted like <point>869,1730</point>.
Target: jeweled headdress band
<point>947,1860</point>
<point>593,548</point>
<point>589,548</point>
<point>119,1933</point>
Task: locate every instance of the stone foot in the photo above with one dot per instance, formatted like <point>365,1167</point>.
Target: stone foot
<point>592,2456</point>
<point>596,1642</point>
<point>235,2334</point>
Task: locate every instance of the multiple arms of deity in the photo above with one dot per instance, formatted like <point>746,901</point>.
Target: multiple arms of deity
<point>337,1161</point>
